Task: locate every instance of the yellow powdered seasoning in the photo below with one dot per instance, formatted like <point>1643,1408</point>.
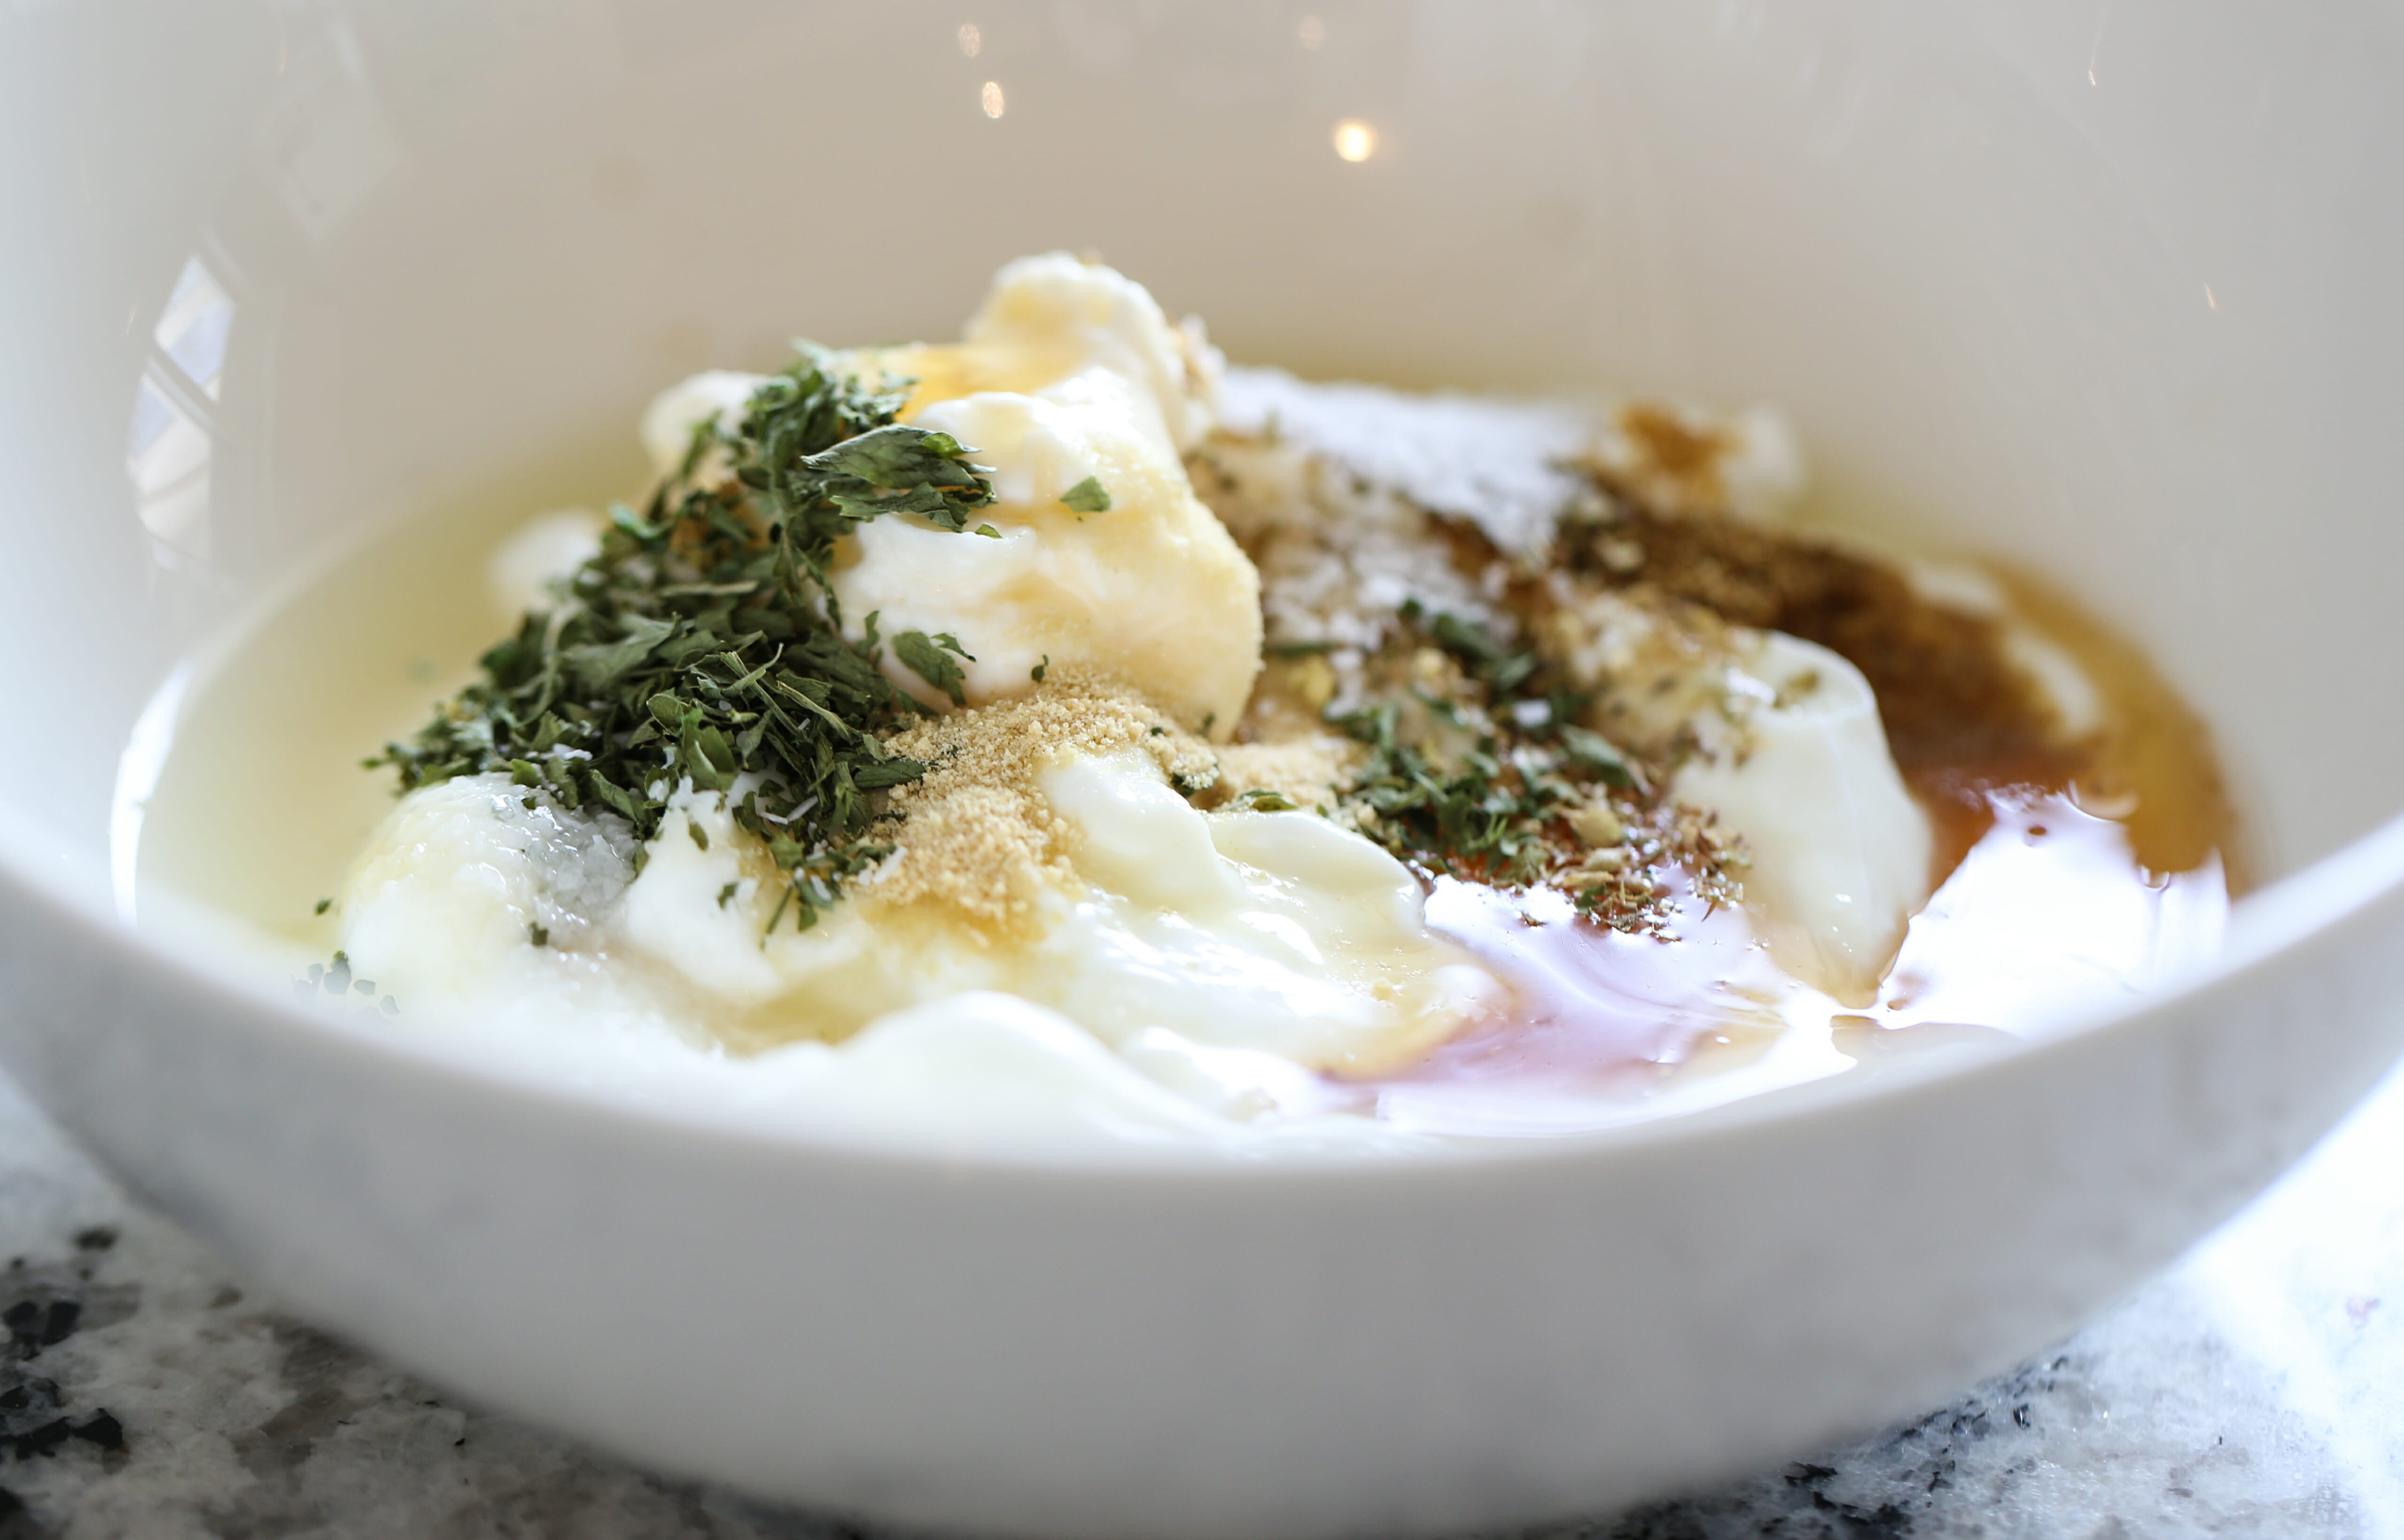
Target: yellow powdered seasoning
<point>977,837</point>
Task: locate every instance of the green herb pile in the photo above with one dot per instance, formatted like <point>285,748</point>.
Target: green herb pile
<point>1524,798</point>
<point>705,642</point>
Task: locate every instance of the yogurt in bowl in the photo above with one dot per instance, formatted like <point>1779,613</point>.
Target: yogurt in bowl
<point>371,267</point>
<point>861,757</point>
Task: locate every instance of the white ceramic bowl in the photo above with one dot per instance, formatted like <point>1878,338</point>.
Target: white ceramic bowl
<point>2106,291</point>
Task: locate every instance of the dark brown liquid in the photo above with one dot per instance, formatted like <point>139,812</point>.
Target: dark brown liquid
<point>2069,883</point>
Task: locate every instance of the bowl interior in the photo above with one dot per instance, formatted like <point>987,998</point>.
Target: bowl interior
<point>2031,286</point>
<point>2100,289</point>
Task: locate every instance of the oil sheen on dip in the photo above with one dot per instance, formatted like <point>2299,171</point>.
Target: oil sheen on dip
<point>2048,917</point>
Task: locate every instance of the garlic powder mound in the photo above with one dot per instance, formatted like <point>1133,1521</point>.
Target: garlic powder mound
<point>977,838</point>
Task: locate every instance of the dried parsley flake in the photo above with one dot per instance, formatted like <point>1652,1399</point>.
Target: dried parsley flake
<point>1087,496</point>
<point>704,641</point>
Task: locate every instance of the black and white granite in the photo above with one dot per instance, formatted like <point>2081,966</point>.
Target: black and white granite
<point>2257,1389</point>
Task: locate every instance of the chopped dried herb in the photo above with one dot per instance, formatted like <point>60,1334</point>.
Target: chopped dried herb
<point>1597,753</point>
<point>1484,658</point>
<point>923,655</point>
<point>704,641</point>
<point>1520,793</point>
<point>1484,819</point>
<point>1087,496</point>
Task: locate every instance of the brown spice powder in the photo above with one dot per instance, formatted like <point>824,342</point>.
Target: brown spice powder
<point>977,837</point>
<point>1946,691</point>
<point>1960,717</point>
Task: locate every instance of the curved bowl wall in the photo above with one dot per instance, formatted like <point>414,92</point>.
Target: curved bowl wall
<point>2107,293</point>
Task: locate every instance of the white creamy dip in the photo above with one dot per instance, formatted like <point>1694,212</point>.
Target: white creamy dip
<point>1170,976</point>
<point>1223,956</point>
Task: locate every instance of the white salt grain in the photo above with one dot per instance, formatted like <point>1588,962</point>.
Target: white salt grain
<point>1495,464</point>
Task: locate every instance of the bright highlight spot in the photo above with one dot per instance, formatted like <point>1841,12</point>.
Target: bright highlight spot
<point>971,41</point>
<point>993,102</point>
<point>1354,139</point>
<point>1310,32</point>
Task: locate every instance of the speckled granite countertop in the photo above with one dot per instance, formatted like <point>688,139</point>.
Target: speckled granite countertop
<point>2257,1389</point>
